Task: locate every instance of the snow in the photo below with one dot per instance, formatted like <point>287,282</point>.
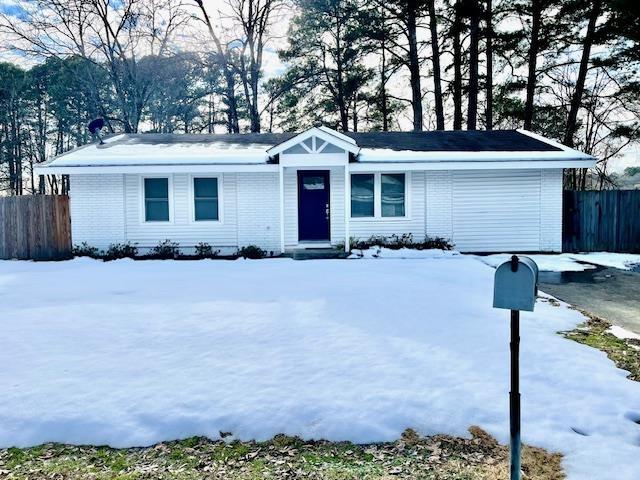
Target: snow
<point>623,261</point>
<point>408,253</point>
<point>130,353</point>
<point>622,333</point>
<point>546,263</point>
<point>568,262</point>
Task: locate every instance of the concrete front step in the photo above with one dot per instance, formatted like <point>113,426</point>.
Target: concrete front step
<point>317,253</point>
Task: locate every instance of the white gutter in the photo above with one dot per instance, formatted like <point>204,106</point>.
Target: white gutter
<point>161,168</point>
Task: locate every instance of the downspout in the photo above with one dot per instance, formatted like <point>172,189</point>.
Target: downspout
<point>347,207</point>
<point>281,178</point>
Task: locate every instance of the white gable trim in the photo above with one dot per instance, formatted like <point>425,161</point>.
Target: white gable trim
<point>324,133</point>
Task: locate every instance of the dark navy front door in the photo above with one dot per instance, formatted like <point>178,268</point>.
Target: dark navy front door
<point>313,205</point>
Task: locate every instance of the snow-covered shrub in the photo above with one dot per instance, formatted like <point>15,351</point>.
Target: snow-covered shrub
<point>86,250</point>
<point>251,251</point>
<point>396,242</point>
<point>121,250</point>
<point>165,249</point>
<point>205,250</point>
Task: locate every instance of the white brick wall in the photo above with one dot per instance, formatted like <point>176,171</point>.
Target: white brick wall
<point>97,209</point>
<point>438,204</point>
<point>259,210</point>
<point>551,210</point>
<point>181,228</point>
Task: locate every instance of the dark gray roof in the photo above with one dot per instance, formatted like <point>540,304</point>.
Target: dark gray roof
<point>433,141</point>
<point>453,141</point>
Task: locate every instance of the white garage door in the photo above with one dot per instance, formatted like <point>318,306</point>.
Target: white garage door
<point>496,210</point>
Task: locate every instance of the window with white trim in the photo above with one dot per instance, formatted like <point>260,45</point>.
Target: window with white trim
<point>156,199</point>
<point>205,199</point>
<point>392,193</point>
<point>375,195</point>
<point>362,195</point>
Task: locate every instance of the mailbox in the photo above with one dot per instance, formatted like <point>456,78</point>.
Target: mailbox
<point>516,284</point>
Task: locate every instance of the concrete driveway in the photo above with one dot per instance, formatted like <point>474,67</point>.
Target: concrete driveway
<point>609,293</point>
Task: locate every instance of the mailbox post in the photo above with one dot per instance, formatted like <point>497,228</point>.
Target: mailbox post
<point>515,288</point>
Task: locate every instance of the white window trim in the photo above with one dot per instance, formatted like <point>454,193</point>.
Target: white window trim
<point>143,206</point>
<point>377,198</point>
<point>192,200</point>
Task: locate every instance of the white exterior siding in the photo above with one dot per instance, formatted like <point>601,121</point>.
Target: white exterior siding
<point>551,210</point>
<point>413,223</point>
<point>97,209</point>
<point>478,210</point>
<point>496,210</point>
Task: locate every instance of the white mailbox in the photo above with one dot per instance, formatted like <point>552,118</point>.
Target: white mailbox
<point>516,284</point>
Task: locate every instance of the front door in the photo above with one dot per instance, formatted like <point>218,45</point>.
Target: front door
<point>313,205</point>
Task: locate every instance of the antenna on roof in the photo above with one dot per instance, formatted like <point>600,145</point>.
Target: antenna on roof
<point>94,127</point>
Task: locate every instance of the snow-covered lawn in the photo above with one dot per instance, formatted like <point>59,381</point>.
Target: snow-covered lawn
<point>130,353</point>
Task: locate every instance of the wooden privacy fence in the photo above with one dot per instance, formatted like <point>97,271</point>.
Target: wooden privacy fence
<point>601,221</point>
<point>35,227</point>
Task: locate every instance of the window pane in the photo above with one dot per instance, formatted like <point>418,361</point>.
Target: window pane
<point>205,187</point>
<point>156,210</point>
<point>313,183</point>
<point>362,195</point>
<point>156,188</point>
<point>206,209</point>
<point>156,195</point>
<point>392,195</point>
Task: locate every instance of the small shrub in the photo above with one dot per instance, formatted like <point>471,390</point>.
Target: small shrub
<point>86,250</point>
<point>396,242</point>
<point>165,249</point>
<point>121,250</point>
<point>251,251</point>
<point>205,250</point>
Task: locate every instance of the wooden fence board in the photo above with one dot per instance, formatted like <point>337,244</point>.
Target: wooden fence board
<point>36,227</point>
<point>601,221</point>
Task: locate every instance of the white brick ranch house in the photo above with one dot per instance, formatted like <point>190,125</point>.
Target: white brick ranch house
<point>485,191</point>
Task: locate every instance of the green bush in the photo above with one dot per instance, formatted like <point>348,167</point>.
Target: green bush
<point>165,249</point>
<point>121,250</point>
<point>86,250</point>
<point>396,242</point>
<point>251,251</point>
<point>205,250</point>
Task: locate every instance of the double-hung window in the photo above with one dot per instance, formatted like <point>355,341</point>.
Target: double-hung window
<point>392,194</point>
<point>362,195</point>
<point>205,199</point>
<point>378,195</point>
<point>156,199</point>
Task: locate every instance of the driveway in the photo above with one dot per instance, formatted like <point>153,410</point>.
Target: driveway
<point>609,293</point>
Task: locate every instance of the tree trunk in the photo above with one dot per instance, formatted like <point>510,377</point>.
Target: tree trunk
<point>489,55</point>
<point>232,105</point>
<point>414,64</point>
<point>474,28</point>
<point>384,102</point>
<point>534,47</point>
<point>576,101</point>
<point>435,61</point>
<point>457,68</point>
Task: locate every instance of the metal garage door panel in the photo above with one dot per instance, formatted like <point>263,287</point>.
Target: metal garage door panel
<point>496,210</point>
